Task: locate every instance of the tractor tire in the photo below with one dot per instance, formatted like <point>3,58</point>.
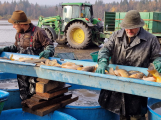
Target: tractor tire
<point>51,35</point>
<point>61,41</point>
<point>79,35</point>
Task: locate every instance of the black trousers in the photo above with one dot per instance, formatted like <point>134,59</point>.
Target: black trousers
<point>26,86</point>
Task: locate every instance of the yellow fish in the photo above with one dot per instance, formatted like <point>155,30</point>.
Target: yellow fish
<point>156,75</point>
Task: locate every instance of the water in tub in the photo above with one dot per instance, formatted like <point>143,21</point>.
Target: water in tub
<point>156,108</point>
<point>8,84</point>
<point>86,97</point>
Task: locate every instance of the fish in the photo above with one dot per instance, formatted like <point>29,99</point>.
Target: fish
<point>137,75</point>
<point>154,72</point>
<point>152,79</point>
<point>156,75</point>
<point>123,73</point>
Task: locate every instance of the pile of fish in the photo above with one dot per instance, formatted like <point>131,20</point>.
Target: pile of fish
<point>47,62</point>
<point>133,74</point>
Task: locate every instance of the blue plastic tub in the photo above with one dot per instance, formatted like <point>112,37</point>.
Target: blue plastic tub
<point>13,100</point>
<point>3,97</point>
<point>18,114</point>
<point>88,112</point>
<point>151,114</point>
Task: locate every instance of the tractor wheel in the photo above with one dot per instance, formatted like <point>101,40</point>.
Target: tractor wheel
<point>51,35</point>
<point>79,35</point>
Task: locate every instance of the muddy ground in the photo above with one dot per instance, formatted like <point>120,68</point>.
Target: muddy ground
<point>80,54</point>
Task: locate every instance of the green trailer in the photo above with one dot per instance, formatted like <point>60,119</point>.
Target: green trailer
<point>152,20</point>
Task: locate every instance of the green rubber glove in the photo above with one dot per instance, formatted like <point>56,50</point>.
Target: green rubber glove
<point>1,50</point>
<point>5,49</point>
<point>45,54</point>
<point>48,52</point>
<point>102,66</point>
<point>11,48</point>
<point>157,64</point>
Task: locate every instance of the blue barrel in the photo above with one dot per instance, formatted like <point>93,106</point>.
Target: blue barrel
<point>18,114</point>
<point>88,112</point>
<point>13,100</point>
<point>151,114</point>
<point>3,97</point>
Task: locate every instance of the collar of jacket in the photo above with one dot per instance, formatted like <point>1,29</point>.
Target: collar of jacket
<point>140,36</point>
<point>30,28</point>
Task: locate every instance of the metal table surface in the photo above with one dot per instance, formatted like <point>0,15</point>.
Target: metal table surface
<point>103,81</point>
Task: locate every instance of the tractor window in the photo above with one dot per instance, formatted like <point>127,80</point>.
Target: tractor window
<point>87,13</point>
<point>75,12</point>
<point>67,13</point>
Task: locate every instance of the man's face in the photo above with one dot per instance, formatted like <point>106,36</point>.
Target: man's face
<point>18,27</point>
<point>132,32</point>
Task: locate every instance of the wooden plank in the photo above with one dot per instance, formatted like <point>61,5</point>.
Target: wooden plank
<point>36,99</point>
<point>47,96</point>
<point>42,80</point>
<point>43,87</point>
<point>43,111</point>
<point>62,86</point>
<point>37,105</point>
<point>47,81</point>
<point>46,110</point>
<point>68,101</point>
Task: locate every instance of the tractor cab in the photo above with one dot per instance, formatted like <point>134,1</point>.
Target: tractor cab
<point>75,11</point>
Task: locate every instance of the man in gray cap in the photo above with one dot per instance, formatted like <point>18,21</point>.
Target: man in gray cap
<point>130,46</point>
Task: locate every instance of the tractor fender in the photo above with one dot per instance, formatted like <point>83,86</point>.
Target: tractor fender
<point>90,24</point>
<point>52,31</point>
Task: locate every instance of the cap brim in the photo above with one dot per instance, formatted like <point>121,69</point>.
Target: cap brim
<point>127,26</point>
<point>27,22</point>
<point>10,20</point>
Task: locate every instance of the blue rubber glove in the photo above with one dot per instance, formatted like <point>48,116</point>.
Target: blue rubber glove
<point>102,66</point>
<point>45,54</point>
<point>157,64</point>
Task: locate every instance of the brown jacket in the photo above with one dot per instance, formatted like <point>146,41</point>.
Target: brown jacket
<point>40,38</point>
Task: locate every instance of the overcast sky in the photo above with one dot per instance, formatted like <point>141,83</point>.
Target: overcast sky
<point>53,2</point>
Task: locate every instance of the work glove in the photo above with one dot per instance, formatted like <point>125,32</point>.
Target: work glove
<point>5,49</point>
<point>1,50</point>
<point>102,66</point>
<point>45,54</point>
<point>11,48</point>
<point>48,52</point>
<point>157,64</point>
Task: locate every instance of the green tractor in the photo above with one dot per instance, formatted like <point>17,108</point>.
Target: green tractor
<point>77,26</point>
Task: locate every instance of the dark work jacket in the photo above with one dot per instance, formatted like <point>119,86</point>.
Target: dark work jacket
<point>40,40</point>
<point>143,50</point>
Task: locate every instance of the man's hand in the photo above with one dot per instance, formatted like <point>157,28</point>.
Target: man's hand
<point>102,66</point>
<point>5,49</point>
<point>157,64</point>
<point>45,54</point>
<point>1,50</point>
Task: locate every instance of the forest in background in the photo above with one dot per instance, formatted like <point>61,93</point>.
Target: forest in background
<point>33,11</point>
